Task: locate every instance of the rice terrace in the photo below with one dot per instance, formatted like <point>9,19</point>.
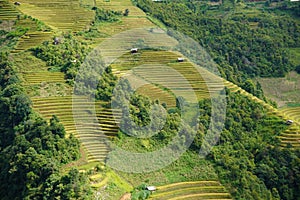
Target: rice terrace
<point>61,125</point>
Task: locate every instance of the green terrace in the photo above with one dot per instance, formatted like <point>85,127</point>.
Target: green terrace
<point>191,190</point>
<point>292,135</point>
<point>43,76</point>
<point>156,93</point>
<point>58,14</point>
<point>161,68</point>
<point>7,11</point>
<point>92,135</point>
<point>31,39</point>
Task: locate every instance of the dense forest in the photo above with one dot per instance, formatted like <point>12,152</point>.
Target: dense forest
<point>244,41</point>
<point>249,158</point>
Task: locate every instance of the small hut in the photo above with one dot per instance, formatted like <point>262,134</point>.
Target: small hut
<point>56,41</point>
<point>151,188</point>
<point>134,50</point>
<point>180,59</point>
<point>17,3</point>
<point>289,122</point>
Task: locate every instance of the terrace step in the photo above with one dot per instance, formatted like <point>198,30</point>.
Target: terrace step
<point>191,190</point>
<point>7,11</point>
<point>89,133</point>
<point>58,14</point>
<point>32,39</point>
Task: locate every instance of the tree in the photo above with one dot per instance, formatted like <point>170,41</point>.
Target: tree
<point>126,12</point>
<point>298,69</point>
<point>56,127</point>
<point>249,86</point>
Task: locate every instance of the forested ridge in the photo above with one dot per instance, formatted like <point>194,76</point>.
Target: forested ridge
<point>244,41</point>
<point>249,158</point>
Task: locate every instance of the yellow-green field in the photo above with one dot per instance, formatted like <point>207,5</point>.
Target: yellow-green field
<point>282,90</point>
<point>59,14</point>
<point>292,135</point>
<point>35,35</point>
<point>191,190</point>
<point>32,39</point>
<point>7,11</point>
<point>90,134</point>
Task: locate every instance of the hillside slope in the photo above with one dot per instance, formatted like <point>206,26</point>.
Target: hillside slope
<point>51,95</point>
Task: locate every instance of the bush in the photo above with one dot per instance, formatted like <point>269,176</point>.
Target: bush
<point>298,69</point>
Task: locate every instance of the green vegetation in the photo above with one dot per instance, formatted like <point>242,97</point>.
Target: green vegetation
<point>257,156</point>
<point>245,42</point>
<point>140,193</point>
<point>284,90</point>
<point>64,54</point>
<point>9,34</point>
<point>249,152</point>
<point>31,151</point>
<point>106,15</point>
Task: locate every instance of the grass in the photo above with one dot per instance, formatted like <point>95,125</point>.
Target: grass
<point>295,56</point>
<point>187,168</point>
<point>282,90</point>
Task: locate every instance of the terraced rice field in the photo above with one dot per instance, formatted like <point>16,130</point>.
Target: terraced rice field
<point>162,68</point>
<point>59,14</point>
<point>191,190</point>
<point>292,135</point>
<point>7,11</point>
<point>156,93</point>
<point>75,18</point>
<point>126,23</point>
<point>31,39</point>
<point>33,77</point>
<point>108,120</point>
<point>90,134</point>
